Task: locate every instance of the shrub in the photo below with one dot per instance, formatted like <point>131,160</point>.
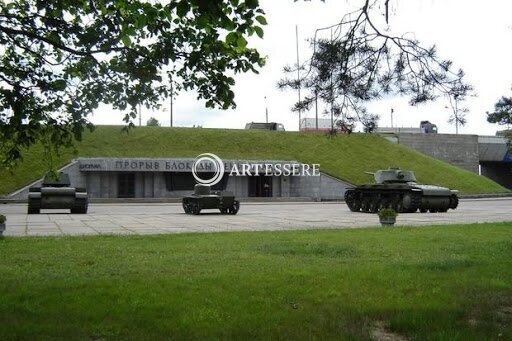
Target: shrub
<point>387,212</point>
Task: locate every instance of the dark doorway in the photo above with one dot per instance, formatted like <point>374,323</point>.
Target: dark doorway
<point>184,181</point>
<point>260,186</point>
<point>126,185</point>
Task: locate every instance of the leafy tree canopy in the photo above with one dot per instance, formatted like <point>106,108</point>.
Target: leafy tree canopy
<point>153,122</point>
<point>59,59</point>
<point>502,115</point>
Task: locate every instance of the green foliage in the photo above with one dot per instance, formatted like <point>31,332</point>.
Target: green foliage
<point>387,213</point>
<point>3,219</point>
<point>502,114</point>
<point>61,59</point>
<point>153,122</point>
<point>345,156</point>
<point>421,283</point>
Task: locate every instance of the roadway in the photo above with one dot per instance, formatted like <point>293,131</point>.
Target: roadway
<point>160,218</point>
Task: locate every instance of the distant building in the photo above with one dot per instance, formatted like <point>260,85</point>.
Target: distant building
<point>425,128</point>
<point>310,124</point>
<point>265,126</point>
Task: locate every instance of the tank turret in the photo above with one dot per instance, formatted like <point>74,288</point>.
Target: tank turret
<point>394,175</point>
<point>398,189</point>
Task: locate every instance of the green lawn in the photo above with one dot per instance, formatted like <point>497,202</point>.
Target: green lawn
<point>445,282</point>
<point>345,156</point>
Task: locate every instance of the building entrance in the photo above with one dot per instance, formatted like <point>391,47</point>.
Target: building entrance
<point>126,185</point>
<point>260,186</point>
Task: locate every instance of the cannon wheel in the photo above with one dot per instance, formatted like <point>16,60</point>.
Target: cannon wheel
<point>352,201</point>
<point>454,202</point>
<point>234,209</point>
<point>34,206</point>
<point>373,206</point>
<point>80,207</point>
<point>195,209</point>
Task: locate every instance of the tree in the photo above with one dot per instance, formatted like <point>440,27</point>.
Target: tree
<point>153,122</point>
<point>502,115</point>
<point>370,122</point>
<point>458,114</point>
<point>60,59</point>
<point>362,62</point>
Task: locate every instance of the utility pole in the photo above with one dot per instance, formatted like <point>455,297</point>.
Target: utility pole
<point>392,117</point>
<point>266,110</point>
<point>298,67</point>
<point>332,98</point>
<point>456,98</point>
<point>316,110</point>
<point>172,103</point>
<point>140,116</point>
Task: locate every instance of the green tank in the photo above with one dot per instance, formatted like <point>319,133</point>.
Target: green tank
<point>57,193</point>
<point>204,198</point>
<point>397,189</point>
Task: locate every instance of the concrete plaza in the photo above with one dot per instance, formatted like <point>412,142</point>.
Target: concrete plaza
<point>160,218</point>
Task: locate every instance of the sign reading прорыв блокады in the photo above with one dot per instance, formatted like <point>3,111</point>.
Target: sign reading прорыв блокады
<point>204,163</point>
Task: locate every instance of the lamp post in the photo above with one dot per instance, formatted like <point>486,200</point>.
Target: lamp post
<point>266,110</point>
<point>298,68</point>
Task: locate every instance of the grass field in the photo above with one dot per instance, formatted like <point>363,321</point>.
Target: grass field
<point>442,283</point>
<point>345,156</point>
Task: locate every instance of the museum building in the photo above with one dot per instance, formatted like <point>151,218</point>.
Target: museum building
<point>173,178</point>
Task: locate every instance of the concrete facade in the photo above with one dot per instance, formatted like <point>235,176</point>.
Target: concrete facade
<point>493,149</point>
<point>458,150</point>
<point>486,155</point>
<point>150,178</point>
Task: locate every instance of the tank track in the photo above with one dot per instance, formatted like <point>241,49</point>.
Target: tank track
<point>34,206</point>
<point>195,207</point>
<point>371,201</point>
<point>454,201</point>
<point>80,207</point>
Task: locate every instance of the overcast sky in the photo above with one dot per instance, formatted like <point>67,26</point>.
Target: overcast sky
<point>475,35</point>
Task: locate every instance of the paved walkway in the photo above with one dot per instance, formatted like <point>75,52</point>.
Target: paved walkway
<point>169,218</point>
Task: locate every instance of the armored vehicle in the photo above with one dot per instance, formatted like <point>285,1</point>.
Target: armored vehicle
<point>428,128</point>
<point>204,198</point>
<point>57,194</point>
<point>397,189</point>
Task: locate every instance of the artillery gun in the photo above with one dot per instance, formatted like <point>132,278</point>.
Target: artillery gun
<point>57,193</point>
<point>204,198</point>
<point>397,189</point>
